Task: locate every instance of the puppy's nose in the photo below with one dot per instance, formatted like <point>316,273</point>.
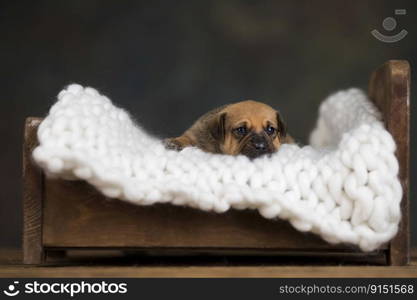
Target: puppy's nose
<point>259,145</point>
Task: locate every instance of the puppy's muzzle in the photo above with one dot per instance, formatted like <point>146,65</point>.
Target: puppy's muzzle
<point>257,145</point>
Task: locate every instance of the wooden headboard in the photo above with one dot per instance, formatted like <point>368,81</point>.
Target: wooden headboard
<point>389,88</point>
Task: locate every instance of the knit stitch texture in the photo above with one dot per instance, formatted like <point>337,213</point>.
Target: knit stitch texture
<point>343,186</point>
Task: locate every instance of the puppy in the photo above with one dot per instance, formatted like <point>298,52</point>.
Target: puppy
<point>250,128</point>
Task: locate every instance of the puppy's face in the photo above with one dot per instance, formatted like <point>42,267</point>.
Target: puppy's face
<point>250,128</point>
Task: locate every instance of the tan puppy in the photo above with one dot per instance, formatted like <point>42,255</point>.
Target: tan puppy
<point>250,128</point>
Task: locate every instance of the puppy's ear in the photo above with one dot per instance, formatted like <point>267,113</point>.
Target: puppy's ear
<point>282,127</point>
<point>217,127</point>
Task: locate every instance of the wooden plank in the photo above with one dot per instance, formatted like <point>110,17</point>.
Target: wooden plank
<point>88,219</point>
<point>32,198</point>
<point>389,88</point>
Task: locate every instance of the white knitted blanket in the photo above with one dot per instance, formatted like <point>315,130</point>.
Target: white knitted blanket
<point>344,187</point>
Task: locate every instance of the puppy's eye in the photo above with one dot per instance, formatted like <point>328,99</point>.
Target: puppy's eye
<point>270,130</point>
<point>242,130</point>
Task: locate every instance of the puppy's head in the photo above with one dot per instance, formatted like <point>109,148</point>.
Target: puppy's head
<point>250,128</point>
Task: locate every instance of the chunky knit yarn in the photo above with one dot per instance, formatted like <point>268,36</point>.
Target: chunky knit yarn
<point>343,187</point>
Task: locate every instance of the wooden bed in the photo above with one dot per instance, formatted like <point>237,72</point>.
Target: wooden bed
<point>61,215</point>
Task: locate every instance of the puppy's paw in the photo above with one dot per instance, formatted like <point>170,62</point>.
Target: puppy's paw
<point>173,144</point>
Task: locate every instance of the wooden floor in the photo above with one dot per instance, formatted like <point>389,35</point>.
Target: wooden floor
<point>108,264</point>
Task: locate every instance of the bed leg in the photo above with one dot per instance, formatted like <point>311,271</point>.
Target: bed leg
<point>33,251</point>
<point>398,253</point>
